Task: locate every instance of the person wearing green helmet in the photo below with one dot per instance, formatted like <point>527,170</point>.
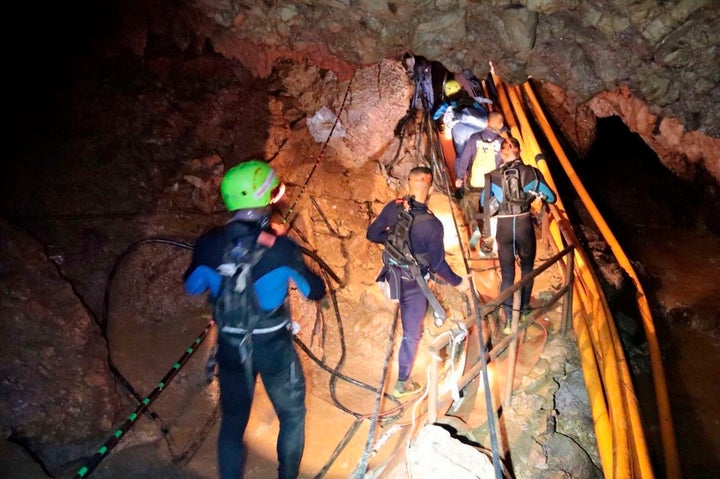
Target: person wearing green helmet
<point>250,188</point>
<point>266,347</point>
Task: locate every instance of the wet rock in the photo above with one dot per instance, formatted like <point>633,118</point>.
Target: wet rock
<point>57,392</point>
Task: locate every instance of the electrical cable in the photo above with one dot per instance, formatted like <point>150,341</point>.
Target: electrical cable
<point>481,340</point>
<point>105,313</point>
<point>319,157</point>
<point>362,466</point>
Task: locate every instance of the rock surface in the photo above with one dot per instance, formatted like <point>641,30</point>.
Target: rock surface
<point>164,140</point>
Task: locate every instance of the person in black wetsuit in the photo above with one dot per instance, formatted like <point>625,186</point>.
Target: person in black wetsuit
<point>426,238</point>
<point>515,234</point>
<point>248,190</point>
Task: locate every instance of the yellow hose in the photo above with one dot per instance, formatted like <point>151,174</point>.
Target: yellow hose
<point>621,440</point>
<point>667,432</point>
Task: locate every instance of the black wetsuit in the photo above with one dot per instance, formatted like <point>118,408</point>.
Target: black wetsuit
<point>515,234</point>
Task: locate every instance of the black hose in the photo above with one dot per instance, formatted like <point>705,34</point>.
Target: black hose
<point>479,322</point>
<point>105,313</point>
<point>119,433</point>
<point>362,466</point>
<point>338,449</point>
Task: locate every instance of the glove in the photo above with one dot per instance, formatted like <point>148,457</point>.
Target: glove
<point>201,279</point>
<point>486,245</point>
<point>449,118</point>
<point>211,365</point>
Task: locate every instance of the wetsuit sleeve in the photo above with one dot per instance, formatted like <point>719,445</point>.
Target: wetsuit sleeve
<point>201,275</point>
<point>284,262</point>
<point>541,187</point>
<point>378,230</point>
<point>495,190</point>
<point>430,234</point>
<point>206,252</point>
<point>439,112</point>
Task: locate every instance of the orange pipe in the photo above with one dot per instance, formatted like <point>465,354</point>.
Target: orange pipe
<point>667,432</point>
<point>611,429</point>
<point>618,372</point>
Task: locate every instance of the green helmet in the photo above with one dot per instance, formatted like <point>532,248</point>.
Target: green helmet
<point>248,185</point>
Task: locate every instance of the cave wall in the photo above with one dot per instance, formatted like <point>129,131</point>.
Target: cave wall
<point>653,63</point>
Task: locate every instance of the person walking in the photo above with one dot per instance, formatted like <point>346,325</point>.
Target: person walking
<point>427,245</point>
<point>461,114</point>
<point>263,346</point>
<point>492,137</point>
<point>515,186</point>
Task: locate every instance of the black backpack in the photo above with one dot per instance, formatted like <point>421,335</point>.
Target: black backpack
<point>398,247</point>
<point>516,200</point>
<point>398,251</point>
<point>236,309</point>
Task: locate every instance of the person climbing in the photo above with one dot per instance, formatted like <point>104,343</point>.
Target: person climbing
<point>481,155</point>
<point>257,337</point>
<point>428,77</point>
<point>427,244</point>
<point>473,155</point>
<point>515,186</point>
<point>461,114</point>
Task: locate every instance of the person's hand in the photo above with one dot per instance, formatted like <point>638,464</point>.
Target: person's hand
<point>449,118</point>
<point>458,183</point>
<point>278,228</point>
<point>486,245</point>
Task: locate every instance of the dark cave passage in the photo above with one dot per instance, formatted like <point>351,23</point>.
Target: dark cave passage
<point>655,216</point>
<point>660,222</point>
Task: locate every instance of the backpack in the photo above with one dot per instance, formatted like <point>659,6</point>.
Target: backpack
<point>398,251</point>
<point>398,248</point>
<point>236,309</point>
<point>483,162</point>
<point>515,199</point>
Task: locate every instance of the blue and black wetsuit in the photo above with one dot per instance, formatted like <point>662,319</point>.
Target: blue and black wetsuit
<point>515,231</point>
<point>426,238</point>
<point>273,354</point>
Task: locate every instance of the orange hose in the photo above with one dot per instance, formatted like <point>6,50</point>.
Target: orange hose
<point>672,463</point>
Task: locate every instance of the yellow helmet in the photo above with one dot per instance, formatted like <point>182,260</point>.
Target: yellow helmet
<point>451,87</point>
